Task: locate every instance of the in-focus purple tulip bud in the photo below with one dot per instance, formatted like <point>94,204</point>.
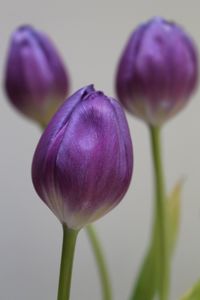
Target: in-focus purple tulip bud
<point>83,163</point>
<point>157,72</point>
<point>36,80</point>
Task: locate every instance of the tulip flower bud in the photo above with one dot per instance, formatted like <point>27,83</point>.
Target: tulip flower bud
<point>158,71</point>
<point>36,81</point>
<point>83,163</point>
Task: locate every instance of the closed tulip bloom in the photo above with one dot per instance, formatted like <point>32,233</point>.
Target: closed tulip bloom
<point>36,80</point>
<point>83,163</point>
<point>157,72</point>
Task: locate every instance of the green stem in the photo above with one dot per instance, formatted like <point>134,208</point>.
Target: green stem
<point>68,247</point>
<point>101,264</point>
<point>160,215</point>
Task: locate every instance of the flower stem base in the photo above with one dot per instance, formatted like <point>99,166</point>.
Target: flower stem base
<point>68,247</point>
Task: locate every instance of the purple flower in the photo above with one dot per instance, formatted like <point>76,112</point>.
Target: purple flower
<point>36,80</point>
<point>83,163</point>
<point>158,71</point>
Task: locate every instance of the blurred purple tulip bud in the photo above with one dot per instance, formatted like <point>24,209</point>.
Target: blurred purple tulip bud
<point>83,163</point>
<point>158,71</point>
<point>36,80</point>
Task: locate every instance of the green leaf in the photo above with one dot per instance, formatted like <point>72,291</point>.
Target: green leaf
<point>173,216</point>
<point>146,284</point>
<point>193,293</point>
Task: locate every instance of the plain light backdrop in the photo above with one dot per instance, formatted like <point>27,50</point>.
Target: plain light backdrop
<point>90,36</point>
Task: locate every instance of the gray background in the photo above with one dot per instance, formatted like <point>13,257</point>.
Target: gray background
<point>90,36</point>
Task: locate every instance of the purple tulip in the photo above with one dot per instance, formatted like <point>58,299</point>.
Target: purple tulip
<point>158,71</point>
<point>83,163</point>
<point>36,80</point>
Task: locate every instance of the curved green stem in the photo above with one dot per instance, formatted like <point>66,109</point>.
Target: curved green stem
<point>69,241</point>
<point>160,215</point>
<point>101,264</point>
